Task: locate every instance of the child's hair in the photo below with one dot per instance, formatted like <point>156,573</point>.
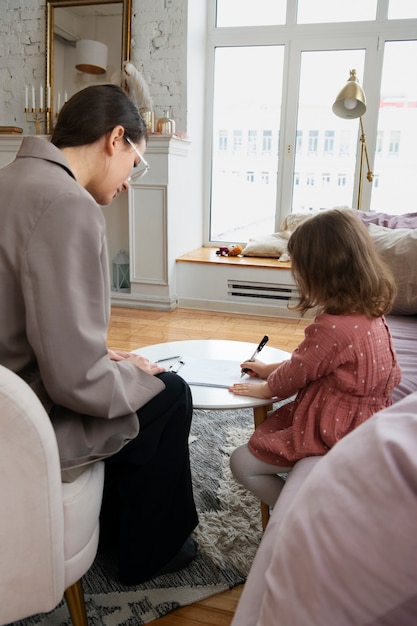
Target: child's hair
<point>93,112</point>
<point>337,267</point>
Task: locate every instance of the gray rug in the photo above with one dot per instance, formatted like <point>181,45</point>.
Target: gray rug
<point>228,536</point>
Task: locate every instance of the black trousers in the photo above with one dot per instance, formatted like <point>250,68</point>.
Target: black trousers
<point>148,507</point>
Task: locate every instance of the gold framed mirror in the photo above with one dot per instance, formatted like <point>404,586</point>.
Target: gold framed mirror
<point>76,28</point>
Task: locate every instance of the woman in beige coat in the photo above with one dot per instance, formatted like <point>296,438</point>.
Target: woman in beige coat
<point>54,314</point>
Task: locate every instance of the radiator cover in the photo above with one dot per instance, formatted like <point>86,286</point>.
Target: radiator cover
<point>253,291</point>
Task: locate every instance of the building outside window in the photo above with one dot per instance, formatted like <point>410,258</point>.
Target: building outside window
<point>276,73</point>
<point>328,142</point>
<point>266,141</point>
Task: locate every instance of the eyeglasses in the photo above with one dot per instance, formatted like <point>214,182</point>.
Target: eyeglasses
<point>142,167</point>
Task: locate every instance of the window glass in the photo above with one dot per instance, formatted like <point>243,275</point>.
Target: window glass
<point>247,110</point>
<point>250,13</point>
<point>326,145</point>
<point>395,161</point>
<point>402,9</point>
<point>324,11</point>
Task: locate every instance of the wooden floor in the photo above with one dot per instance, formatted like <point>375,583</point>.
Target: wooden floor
<point>133,328</point>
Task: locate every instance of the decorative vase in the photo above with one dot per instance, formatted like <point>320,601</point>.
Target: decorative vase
<point>165,124</point>
<point>149,119</point>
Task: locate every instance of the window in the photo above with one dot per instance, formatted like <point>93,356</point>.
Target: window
<point>394,143</point>
<point>223,140</point>
<point>310,12</point>
<point>247,103</point>
<point>238,13</point>
<point>252,142</point>
<point>276,145</point>
<point>299,141</point>
<point>379,141</point>
<point>313,136</point>
<point>237,141</point>
<point>328,142</point>
<point>266,141</point>
<point>402,9</point>
<point>394,188</point>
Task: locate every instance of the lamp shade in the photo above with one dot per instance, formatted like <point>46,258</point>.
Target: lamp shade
<point>350,101</point>
<point>91,56</point>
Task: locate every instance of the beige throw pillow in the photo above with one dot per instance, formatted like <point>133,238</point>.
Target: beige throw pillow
<point>268,246</point>
<point>398,248</point>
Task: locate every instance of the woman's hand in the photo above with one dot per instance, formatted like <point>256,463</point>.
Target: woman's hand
<point>144,364</point>
<point>255,390</point>
<point>117,355</point>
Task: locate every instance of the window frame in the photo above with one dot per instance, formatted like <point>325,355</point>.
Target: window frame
<point>296,38</point>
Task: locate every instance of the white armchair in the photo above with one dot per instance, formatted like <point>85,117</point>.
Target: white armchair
<point>48,529</point>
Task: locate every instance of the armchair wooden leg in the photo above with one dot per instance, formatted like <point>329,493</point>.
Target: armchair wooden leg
<point>74,596</point>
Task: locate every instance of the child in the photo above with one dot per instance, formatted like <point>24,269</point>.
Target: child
<point>344,370</point>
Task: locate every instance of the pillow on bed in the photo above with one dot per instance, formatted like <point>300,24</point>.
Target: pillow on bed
<point>404,220</point>
<point>398,248</point>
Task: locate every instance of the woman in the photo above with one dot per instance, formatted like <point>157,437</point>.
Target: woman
<point>55,306</point>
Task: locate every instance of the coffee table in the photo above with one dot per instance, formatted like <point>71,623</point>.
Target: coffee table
<point>217,397</point>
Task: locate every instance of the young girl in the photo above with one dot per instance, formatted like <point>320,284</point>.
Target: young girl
<point>345,369</point>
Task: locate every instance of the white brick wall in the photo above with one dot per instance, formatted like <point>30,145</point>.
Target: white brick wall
<point>159,51</point>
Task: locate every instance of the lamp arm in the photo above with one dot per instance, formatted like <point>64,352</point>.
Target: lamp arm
<point>369,175</point>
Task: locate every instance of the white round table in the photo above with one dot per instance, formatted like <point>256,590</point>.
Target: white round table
<point>217,397</point>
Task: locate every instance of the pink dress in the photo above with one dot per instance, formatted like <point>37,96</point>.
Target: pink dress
<point>343,372</point>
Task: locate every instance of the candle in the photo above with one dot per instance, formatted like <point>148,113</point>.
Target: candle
<point>58,106</point>
<point>65,96</point>
<point>48,96</point>
<point>26,96</point>
<point>33,97</point>
<point>41,97</point>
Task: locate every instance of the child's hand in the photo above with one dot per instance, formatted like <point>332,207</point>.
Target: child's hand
<point>258,368</point>
<point>255,390</point>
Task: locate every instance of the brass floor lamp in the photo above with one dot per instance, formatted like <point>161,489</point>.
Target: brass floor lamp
<point>350,103</point>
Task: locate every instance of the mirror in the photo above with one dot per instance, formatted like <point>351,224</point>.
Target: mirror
<point>86,22</point>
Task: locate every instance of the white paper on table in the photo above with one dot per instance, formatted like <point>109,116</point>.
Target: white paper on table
<point>212,372</point>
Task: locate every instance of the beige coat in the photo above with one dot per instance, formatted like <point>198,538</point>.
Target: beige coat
<point>55,306</point>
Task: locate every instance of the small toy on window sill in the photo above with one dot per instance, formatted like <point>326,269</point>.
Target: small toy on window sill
<point>232,250</point>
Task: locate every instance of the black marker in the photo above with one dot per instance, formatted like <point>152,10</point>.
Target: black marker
<point>258,349</point>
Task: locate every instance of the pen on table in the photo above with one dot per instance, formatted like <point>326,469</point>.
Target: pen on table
<point>258,349</point>
<point>168,358</point>
<point>176,366</point>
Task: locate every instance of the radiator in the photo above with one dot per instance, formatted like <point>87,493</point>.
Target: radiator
<point>250,290</point>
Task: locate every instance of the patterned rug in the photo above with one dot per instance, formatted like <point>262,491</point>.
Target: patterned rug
<point>228,535</point>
